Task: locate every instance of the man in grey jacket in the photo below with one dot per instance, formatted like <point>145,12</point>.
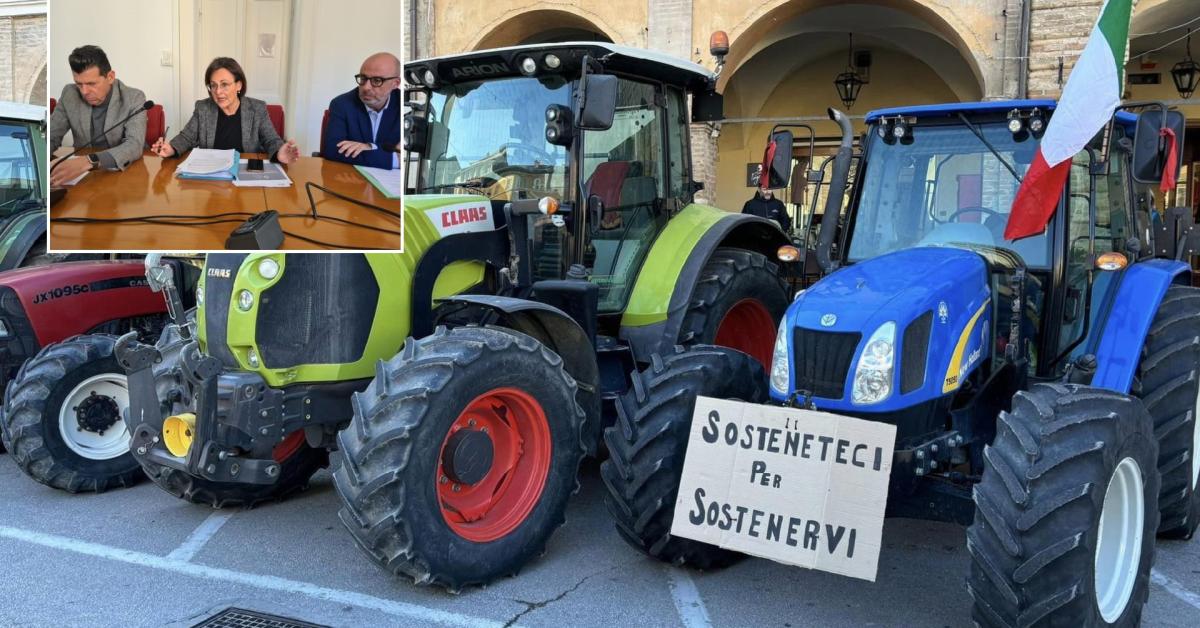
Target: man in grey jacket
<point>96,101</point>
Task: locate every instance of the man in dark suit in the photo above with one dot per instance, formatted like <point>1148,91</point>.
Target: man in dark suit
<point>364,123</point>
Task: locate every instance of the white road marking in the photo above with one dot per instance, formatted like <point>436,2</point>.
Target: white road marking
<point>200,536</point>
<point>272,583</point>
<point>688,602</point>
<point>1175,588</point>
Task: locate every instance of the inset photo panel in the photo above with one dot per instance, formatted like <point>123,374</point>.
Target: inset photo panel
<point>224,125</point>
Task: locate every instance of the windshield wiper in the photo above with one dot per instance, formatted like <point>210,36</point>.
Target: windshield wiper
<point>979,134</point>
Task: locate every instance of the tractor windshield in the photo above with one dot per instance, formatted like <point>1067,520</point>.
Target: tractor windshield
<point>18,171</point>
<point>489,136</point>
<point>941,187</point>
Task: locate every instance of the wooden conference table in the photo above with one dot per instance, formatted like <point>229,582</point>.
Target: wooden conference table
<point>149,188</point>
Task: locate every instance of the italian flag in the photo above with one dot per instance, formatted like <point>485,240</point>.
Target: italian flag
<point>1092,94</point>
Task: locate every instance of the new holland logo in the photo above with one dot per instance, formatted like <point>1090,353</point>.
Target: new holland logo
<point>829,320</point>
<point>223,273</point>
<point>943,312</point>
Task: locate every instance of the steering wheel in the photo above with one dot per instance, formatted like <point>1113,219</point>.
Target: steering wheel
<point>964,210</point>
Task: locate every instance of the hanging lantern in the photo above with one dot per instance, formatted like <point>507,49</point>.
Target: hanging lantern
<point>1186,73</point>
<point>850,82</point>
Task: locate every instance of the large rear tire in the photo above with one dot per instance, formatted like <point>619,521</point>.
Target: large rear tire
<point>298,461</point>
<point>737,303</point>
<point>1066,511</point>
<point>63,414</point>
<point>461,456</point>
<point>649,440</point>
<point>1168,381</point>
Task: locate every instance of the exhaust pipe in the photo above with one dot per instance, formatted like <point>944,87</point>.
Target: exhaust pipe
<point>837,191</point>
<point>178,431</point>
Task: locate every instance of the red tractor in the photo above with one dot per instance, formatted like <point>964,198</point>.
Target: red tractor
<point>65,395</point>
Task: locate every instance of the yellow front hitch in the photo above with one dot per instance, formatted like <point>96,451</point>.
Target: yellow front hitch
<point>177,433</point>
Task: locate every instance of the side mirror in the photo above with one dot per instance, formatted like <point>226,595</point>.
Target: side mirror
<point>777,160</point>
<point>1150,148</point>
<point>599,102</point>
<point>708,106</point>
<point>416,133</point>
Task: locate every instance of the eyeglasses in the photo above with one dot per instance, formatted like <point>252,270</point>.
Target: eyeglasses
<point>376,81</point>
<point>224,87</point>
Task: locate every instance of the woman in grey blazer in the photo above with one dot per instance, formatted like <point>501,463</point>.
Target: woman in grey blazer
<point>227,119</point>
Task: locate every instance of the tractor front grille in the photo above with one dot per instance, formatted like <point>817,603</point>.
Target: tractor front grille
<point>822,360</point>
<point>220,269</point>
<point>319,312</point>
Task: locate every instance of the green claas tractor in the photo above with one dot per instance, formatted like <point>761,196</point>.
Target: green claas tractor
<point>461,381</point>
<point>1043,391</point>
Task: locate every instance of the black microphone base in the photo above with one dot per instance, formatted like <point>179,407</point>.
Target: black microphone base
<point>260,232</point>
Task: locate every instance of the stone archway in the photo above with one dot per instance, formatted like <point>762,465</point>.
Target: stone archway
<point>541,26</point>
<point>35,93</point>
<point>782,63</point>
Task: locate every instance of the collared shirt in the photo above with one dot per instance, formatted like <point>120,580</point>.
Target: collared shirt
<point>376,117</point>
<point>99,114</point>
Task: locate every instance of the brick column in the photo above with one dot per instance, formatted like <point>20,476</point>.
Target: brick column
<point>1058,29</point>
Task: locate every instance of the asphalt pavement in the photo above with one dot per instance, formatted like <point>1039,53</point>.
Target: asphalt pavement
<point>139,557</point>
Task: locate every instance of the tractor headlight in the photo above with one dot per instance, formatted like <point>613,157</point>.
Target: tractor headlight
<point>200,294</point>
<point>780,371</point>
<point>245,300</point>
<point>268,268</point>
<point>873,377</point>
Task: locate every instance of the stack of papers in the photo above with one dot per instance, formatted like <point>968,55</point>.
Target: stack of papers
<point>209,164</point>
<point>386,181</point>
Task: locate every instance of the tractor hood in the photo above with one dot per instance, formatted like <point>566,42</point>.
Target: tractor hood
<point>938,299</point>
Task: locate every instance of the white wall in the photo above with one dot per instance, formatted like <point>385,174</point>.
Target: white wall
<point>132,32</point>
<point>329,40</point>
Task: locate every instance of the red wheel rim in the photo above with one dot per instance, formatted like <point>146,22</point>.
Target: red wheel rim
<point>749,328</point>
<point>498,503</point>
<point>288,446</point>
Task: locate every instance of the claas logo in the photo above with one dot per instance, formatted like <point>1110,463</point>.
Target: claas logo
<point>464,216</point>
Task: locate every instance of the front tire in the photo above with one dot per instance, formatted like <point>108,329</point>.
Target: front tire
<point>63,417</point>
<point>1066,511</point>
<point>649,440</point>
<point>461,456</point>
<point>1168,381</point>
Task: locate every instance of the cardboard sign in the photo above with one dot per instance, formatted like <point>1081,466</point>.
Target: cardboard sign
<point>795,486</point>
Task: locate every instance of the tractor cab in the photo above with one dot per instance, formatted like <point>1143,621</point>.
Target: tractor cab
<point>582,147</point>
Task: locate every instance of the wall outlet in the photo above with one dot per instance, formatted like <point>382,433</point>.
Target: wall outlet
<point>165,59</point>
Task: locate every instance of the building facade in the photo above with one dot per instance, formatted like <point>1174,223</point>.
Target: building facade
<point>23,51</point>
<point>785,54</point>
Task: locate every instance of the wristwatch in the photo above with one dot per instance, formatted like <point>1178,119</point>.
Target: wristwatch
<point>95,160</point>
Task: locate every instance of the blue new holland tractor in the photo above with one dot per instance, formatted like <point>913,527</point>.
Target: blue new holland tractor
<point>1045,391</point>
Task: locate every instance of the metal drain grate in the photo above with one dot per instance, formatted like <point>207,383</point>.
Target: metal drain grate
<point>242,618</point>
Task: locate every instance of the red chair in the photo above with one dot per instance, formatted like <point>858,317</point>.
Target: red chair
<point>156,124</point>
<point>324,123</point>
<point>275,113</point>
<point>53,102</point>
